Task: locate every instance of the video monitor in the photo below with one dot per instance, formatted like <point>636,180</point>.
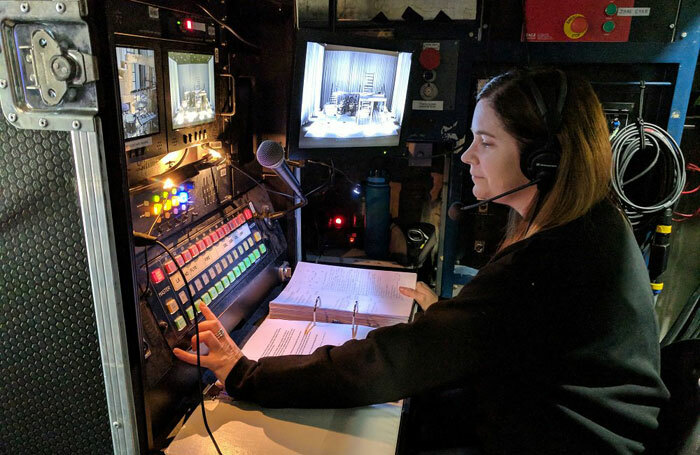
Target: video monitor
<point>352,96</point>
<point>138,91</point>
<point>191,88</point>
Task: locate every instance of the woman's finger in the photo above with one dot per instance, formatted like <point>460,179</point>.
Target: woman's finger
<point>189,357</point>
<point>208,338</point>
<point>209,325</point>
<point>408,292</point>
<point>208,314</point>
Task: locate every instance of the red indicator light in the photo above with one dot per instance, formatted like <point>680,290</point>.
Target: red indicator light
<point>188,24</point>
<point>338,222</point>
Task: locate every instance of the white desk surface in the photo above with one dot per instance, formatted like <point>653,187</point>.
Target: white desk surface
<point>243,428</point>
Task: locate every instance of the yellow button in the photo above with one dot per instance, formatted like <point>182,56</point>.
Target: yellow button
<point>171,305</point>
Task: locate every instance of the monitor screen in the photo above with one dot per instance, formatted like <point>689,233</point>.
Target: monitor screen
<point>138,91</point>
<point>191,88</point>
<point>352,96</point>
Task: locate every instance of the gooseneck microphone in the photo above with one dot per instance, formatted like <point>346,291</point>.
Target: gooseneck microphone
<point>271,155</point>
<point>457,209</point>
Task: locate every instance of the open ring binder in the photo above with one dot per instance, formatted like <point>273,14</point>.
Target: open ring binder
<point>354,325</point>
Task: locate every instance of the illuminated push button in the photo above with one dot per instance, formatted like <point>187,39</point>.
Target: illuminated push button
<point>250,242</point>
<point>226,229</point>
<point>197,303</point>
<point>201,246</point>
<point>256,253</point>
<point>194,251</point>
<point>157,209</point>
<point>208,242</point>
<point>231,276</point>
<point>257,236</point>
<point>214,236</point>
<point>170,267</point>
<point>611,9</point>
<point>262,248</point>
<point>156,198</point>
<point>252,257</point>
<point>235,254</point>
<point>213,293</point>
<point>180,260</point>
<point>190,313</point>
<point>221,232</point>
<point>247,262</point>
<point>180,323</point>
<point>231,224</point>
<point>608,26</point>
<point>157,276</point>
<point>219,287</point>
<point>245,245</point>
<point>240,249</point>
<point>167,206</point>
<point>226,281</point>
<point>237,270</point>
<point>187,256</point>
<point>241,219</point>
<point>248,214</point>
<point>206,298</point>
<point>171,306</point>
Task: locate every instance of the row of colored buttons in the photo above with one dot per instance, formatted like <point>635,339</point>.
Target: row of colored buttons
<point>214,291</point>
<point>187,255</point>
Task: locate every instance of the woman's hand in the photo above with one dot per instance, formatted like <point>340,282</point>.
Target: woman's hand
<point>223,352</point>
<point>421,294</point>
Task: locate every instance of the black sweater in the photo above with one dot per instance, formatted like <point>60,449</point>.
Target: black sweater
<point>556,336</point>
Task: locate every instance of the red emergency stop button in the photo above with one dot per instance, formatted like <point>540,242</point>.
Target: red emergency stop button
<point>429,58</point>
<point>575,26</point>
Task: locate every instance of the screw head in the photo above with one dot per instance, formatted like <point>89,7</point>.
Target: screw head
<point>60,7</point>
<point>43,42</point>
<point>24,7</point>
<point>3,83</point>
<point>684,34</point>
<point>43,122</point>
<point>75,125</point>
<point>671,26</point>
<point>12,117</point>
<point>116,424</point>
<point>52,93</point>
<point>61,68</point>
<point>29,58</point>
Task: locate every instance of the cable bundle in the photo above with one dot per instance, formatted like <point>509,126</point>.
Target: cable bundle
<point>627,145</point>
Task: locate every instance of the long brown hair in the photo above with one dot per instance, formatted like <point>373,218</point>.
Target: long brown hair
<point>583,177</point>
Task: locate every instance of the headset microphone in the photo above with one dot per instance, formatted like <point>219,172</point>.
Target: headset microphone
<point>457,209</point>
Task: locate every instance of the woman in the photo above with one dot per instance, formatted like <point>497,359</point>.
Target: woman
<point>556,335</point>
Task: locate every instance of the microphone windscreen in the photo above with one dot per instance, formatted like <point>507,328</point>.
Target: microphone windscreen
<point>455,211</point>
<point>270,154</point>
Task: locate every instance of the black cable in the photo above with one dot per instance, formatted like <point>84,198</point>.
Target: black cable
<point>260,184</point>
<point>227,28</point>
<point>196,328</point>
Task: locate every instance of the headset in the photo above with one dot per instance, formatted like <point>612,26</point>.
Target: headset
<point>540,160</point>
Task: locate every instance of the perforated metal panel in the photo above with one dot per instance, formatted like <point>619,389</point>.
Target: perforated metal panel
<point>52,393</point>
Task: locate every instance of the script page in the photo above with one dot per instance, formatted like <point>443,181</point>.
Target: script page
<point>376,291</point>
<point>277,337</point>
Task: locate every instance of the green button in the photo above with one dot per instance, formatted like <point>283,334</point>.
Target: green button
<point>262,248</point>
<point>190,313</point>
<point>237,271</point>
<point>242,266</point>
<point>226,282</point>
<point>219,287</point>
<point>206,298</point>
<point>251,257</point>
<point>611,9</point>
<point>196,305</point>
<point>213,293</point>
<point>231,277</point>
<point>247,262</point>
<point>608,26</point>
<point>180,323</point>
<point>256,253</point>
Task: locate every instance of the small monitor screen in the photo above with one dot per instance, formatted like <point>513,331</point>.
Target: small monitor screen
<point>352,96</point>
<point>191,88</point>
<point>138,91</point>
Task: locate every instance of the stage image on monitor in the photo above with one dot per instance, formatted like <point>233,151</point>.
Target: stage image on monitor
<point>191,88</point>
<point>138,91</point>
<point>352,96</point>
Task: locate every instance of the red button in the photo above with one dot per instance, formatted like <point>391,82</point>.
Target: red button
<point>157,276</point>
<point>248,214</point>
<point>579,25</point>
<point>240,219</point>
<point>429,58</point>
<point>235,223</point>
<point>194,251</point>
<point>180,260</point>
<point>170,267</point>
<point>226,229</point>
<point>186,256</point>
<point>208,241</point>
<point>201,246</point>
<point>221,232</point>
<point>214,236</point>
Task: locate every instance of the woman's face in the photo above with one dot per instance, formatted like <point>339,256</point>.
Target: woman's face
<point>494,160</point>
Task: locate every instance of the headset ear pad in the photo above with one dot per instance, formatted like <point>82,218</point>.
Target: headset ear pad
<point>540,163</point>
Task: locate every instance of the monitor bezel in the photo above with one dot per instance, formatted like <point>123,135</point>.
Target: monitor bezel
<point>293,127</point>
<point>166,66</point>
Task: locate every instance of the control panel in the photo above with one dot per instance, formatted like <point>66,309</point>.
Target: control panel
<point>572,20</point>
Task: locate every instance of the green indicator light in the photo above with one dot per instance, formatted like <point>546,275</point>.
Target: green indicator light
<point>231,277</point>
<point>608,26</point>
<point>206,298</point>
<point>611,9</point>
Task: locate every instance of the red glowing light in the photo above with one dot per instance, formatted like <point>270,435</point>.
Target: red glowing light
<point>188,24</point>
<point>339,221</point>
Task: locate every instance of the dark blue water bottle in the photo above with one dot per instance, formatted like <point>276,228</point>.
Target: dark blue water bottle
<point>378,216</point>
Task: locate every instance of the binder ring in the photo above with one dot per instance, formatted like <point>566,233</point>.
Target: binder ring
<point>354,325</point>
<point>317,303</point>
